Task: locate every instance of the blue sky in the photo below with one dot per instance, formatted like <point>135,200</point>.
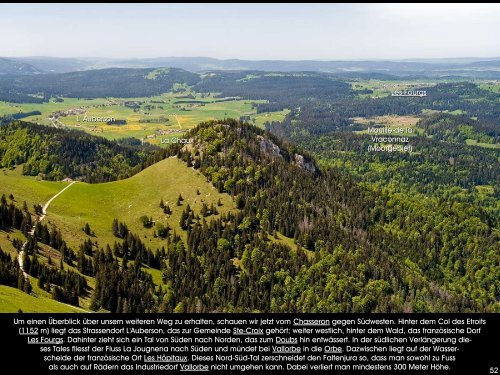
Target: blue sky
<point>251,31</point>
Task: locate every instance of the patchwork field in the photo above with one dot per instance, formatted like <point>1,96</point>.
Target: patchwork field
<point>150,119</point>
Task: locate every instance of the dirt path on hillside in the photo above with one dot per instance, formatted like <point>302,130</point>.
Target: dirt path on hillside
<point>32,231</point>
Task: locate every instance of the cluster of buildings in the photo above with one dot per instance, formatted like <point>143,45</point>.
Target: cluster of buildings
<point>68,112</point>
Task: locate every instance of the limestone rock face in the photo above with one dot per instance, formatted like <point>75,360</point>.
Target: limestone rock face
<point>268,147</point>
<point>303,164</point>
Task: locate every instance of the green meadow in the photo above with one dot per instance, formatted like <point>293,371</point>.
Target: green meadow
<point>493,87</point>
<point>6,239</point>
<point>129,199</point>
<point>12,300</point>
<point>473,142</point>
<point>27,188</point>
<point>261,118</point>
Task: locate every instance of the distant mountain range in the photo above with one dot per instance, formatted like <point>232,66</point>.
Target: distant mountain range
<point>8,66</point>
<point>477,67</point>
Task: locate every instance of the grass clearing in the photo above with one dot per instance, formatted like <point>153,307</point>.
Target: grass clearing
<point>281,239</point>
<point>261,118</point>
<point>12,300</point>
<point>493,86</point>
<point>473,142</point>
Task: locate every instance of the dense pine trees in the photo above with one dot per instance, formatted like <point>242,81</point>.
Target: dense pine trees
<point>13,217</point>
<point>9,270</point>
<point>121,289</point>
<point>369,250</point>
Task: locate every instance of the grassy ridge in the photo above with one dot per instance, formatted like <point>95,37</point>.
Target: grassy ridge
<point>98,205</point>
<point>129,199</point>
<point>27,188</point>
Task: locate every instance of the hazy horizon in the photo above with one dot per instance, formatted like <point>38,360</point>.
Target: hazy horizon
<point>321,32</point>
<point>415,59</point>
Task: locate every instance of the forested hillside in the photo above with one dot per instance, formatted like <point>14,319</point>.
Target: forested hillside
<point>370,251</point>
<point>10,66</point>
<point>113,82</point>
<point>303,238</point>
<point>55,154</point>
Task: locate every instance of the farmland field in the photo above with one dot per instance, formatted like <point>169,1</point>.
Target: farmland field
<point>150,119</point>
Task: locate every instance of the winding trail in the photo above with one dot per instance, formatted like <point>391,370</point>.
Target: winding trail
<point>32,231</point>
<point>44,209</point>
